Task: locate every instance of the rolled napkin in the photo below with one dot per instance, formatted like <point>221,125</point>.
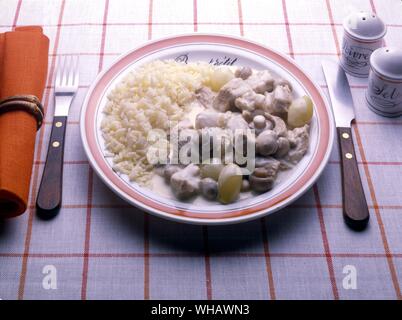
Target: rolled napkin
<point>23,71</point>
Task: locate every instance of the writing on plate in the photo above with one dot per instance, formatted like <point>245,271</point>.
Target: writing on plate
<point>216,61</point>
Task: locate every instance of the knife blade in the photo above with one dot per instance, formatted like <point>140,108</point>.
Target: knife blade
<point>339,92</point>
<point>355,210</point>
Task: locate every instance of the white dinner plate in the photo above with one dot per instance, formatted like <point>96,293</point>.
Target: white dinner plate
<point>215,49</point>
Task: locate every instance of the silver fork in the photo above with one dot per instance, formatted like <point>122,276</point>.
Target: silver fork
<point>50,193</point>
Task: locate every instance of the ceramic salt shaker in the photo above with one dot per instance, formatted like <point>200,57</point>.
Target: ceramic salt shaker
<point>384,92</point>
<point>363,33</point>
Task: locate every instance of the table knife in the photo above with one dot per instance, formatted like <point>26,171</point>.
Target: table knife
<point>355,210</point>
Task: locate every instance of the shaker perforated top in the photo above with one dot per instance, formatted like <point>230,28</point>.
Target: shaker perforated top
<point>366,26</point>
<point>387,62</point>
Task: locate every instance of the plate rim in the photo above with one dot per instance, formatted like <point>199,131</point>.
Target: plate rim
<point>208,220</point>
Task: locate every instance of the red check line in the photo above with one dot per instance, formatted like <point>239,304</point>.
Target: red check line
<point>326,243</point>
<point>87,241</point>
<point>73,162</point>
<point>195,15</point>
<point>374,163</point>
<point>331,19</point>
<point>119,53</point>
<point>373,8</point>
<point>267,255</point>
<point>35,178</point>
<point>382,123</point>
<point>208,278</point>
<point>68,122</point>
<point>50,87</point>
<point>104,30</point>
<point>146,259</point>
<point>288,34</point>
<point>150,19</point>
<point>246,23</point>
<point>91,175</point>
<point>353,86</point>
<point>391,265</point>
<point>86,53</point>
<point>17,14</point>
<point>240,12</point>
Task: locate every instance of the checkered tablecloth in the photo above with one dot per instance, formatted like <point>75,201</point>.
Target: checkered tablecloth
<point>101,248</point>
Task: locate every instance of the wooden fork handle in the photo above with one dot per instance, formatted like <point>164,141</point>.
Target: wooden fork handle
<point>355,210</point>
<point>50,193</point>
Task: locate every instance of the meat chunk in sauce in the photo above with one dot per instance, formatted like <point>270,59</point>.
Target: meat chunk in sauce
<point>230,91</point>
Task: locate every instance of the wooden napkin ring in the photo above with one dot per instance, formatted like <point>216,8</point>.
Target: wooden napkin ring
<point>28,103</point>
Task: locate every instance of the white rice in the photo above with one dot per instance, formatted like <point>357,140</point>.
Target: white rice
<point>148,98</point>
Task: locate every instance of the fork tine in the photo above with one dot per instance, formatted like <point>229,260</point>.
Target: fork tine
<point>62,71</point>
<point>73,70</point>
<point>76,72</point>
<point>67,73</point>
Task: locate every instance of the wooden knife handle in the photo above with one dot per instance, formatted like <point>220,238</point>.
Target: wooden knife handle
<point>50,193</point>
<point>355,210</point>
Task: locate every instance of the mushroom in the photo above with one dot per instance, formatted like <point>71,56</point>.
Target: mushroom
<point>209,188</point>
<point>243,73</point>
<point>279,126</point>
<point>283,147</point>
<point>249,115</point>
<point>266,143</point>
<point>244,146</point>
<point>265,162</point>
<point>245,185</point>
<point>170,170</point>
<point>262,179</point>
<point>229,92</point>
<point>260,123</point>
<point>185,183</point>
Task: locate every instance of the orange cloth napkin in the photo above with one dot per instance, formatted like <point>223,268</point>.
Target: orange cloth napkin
<point>23,70</point>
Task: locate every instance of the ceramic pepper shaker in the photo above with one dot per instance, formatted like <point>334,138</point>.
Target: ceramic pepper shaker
<point>363,33</point>
<point>384,92</point>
